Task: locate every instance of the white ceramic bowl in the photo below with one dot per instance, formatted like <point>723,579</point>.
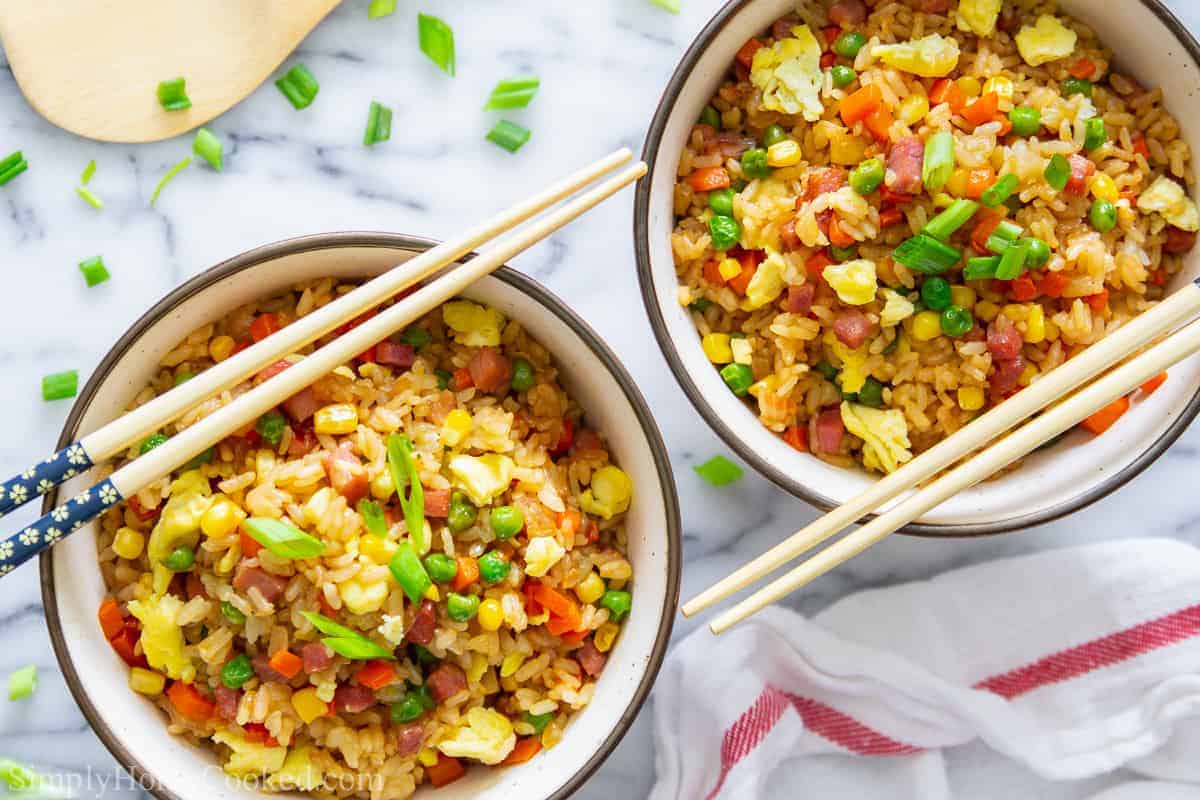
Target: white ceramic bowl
<point>1059,480</point>
<point>135,731</point>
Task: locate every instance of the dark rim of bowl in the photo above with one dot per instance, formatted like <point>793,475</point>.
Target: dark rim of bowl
<point>330,241</point>
<point>727,432</point>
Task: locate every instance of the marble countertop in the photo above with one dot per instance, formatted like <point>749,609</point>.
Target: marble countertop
<point>603,65</point>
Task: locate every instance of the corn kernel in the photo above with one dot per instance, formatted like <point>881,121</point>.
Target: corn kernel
<point>378,550</point>
<point>478,666</point>
<point>337,418</point>
<point>1015,311</point>
<point>605,635</point>
<point>221,347</point>
<point>511,663</point>
<point>957,185</point>
<point>456,427</point>
<point>986,310</point>
<point>1035,324</point>
<point>970,398</point>
<point>221,518</point>
<point>428,756</point>
<point>963,297</point>
<point>846,150</point>
<point>307,705</point>
<point>491,615</point>
<point>128,543</point>
<point>784,154</point>
<point>913,109</point>
<point>590,589</point>
<point>927,326</point>
<point>1028,374</point>
<point>1103,188</point>
<point>1003,87</point>
<point>942,200</point>
<point>1051,330</point>
<point>716,347</point>
<point>729,268</point>
<point>432,593</point>
<point>970,85</point>
<point>146,681</point>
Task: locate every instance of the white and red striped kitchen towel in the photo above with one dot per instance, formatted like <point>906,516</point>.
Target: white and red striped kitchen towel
<point>1070,663</point>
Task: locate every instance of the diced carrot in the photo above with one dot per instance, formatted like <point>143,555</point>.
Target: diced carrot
<point>240,346</point>
<point>573,638</point>
<point>1103,419</point>
<point>250,545</point>
<point>566,438</point>
<point>1131,197</point>
<point>861,104</point>
<point>815,266</point>
<point>1023,289</point>
<point>988,221</point>
<point>1098,301</point>
<point>111,621</point>
<point>837,236</point>
<point>257,732</point>
<point>886,195</point>
<point>1005,126</point>
<point>982,109</point>
<point>264,325</point>
<point>1140,147</point>
<point>890,217</point>
<point>346,327</point>
<point>532,606</point>
<point>124,644</point>
<point>569,522</point>
<point>189,702</point>
<point>879,123</point>
<point>740,281</point>
<point>564,612</point>
<point>526,749</point>
<point>978,180</point>
<point>468,572</point>
<point>446,770</point>
<point>1158,277</point>
<point>745,55</point>
<point>367,356</point>
<point>376,674</point>
<point>142,513</point>
<point>945,90</point>
<point>797,437</point>
<point>1158,380</point>
<point>1083,68</point>
<point>286,663</point>
<point>1053,284</point>
<point>707,179</point>
<point>462,379</point>
<point>712,272</point>
<point>828,60</point>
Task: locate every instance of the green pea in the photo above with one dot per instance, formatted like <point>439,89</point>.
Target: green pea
<point>462,513</point>
<point>202,458</point>
<point>935,293</point>
<point>461,608</point>
<point>180,560</point>
<point>725,231</point>
<point>738,377</point>
<point>1095,134</point>
<point>1026,121</point>
<point>721,201</point>
<point>183,377</point>
<point>849,43</point>
<point>493,566</point>
<point>700,304</point>
<point>956,321</point>
<point>408,709</point>
<point>416,337</point>
<point>774,134</point>
<point>1077,86</point>
<point>231,613</point>
<point>827,370</point>
<point>871,394</point>
<point>152,441</point>
<point>422,656</point>
<point>1038,253</point>
<point>270,427</point>
<point>443,378</point>
<point>1103,216</point>
<point>237,671</point>
<point>840,254</point>
<point>441,567</point>
<point>754,163</point>
<point>843,76</point>
<point>507,521</point>
<point>522,375</point>
<point>867,176</point>
<point>539,721</point>
<point>617,602</point>
<point>710,116</point>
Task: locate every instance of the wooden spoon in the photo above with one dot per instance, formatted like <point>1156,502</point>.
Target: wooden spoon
<point>93,66</point>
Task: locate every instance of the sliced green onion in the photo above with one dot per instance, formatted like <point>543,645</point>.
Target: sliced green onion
<point>282,539</point>
<point>981,268</point>
<point>89,196</point>
<point>60,385</point>
<point>379,124</point>
<point>22,683</point>
<point>373,518</point>
<point>299,86</point>
<point>1012,263</point>
<point>1000,191</point>
<point>88,172</point>
<point>436,39</point>
<point>1058,172</point>
<point>1005,234</point>
<point>209,147</point>
<point>172,95</point>
<point>1095,134</point>
<point>12,166</point>
<point>94,271</point>
<point>171,173</point>
<point>710,116</point>
<point>403,466</point>
<point>673,6</point>
<point>409,572</point>
<point>345,641</point>
<point>381,8</point>
<point>954,217</point>
<point>926,254</point>
<point>719,471</point>
<point>17,776</point>
<point>516,93</point>
<point>508,135</point>
<point>939,160</point>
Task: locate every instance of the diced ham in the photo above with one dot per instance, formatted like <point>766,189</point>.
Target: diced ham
<point>1007,376</point>
<point>591,659</point>
<point>490,370</point>
<point>346,474</point>
<point>788,237</point>
<point>1179,240</point>
<point>395,355</point>
<point>302,405</point>
<point>847,13</point>
<point>588,441</point>
<point>1010,18</point>
<point>782,28</point>
<point>316,657</point>
<point>1081,169</point>
<point>262,668</point>
<point>271,370</point>
<point>799,298</point>
<point>194,586</point>
<point>1003,343</point>
<point>437,503</point>
<point>352,698</point>
<point>441,406</point>
<point>903,174</point>
<point>828,430</point>
<point>851,328</point>
<point>304,439</point>
<point>730,145</point>
<point>420,631</point>
<point>227,702</point>
<point>269,586</point>
<point>445,682</point>
<point>410,737</point>
<point>826,180</point>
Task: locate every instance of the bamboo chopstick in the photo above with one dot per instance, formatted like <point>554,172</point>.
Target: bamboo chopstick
<point>114,437</point>
<point>248,407</point>
<point>1057,419</point>
<point>1176,309</point>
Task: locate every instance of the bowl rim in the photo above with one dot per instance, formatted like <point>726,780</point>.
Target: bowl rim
<point>153,783</point>
<point>641,235</point>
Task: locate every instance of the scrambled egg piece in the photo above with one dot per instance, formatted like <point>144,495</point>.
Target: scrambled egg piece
<point>249,758</point>
<point>767,282</point>
<point>789,75</point>
<point>298,772</point>
<point>482,477</point>
<point>979,16</point>
<point>392,629</point>
<point>761,208</point>
<point>487,737</point>
<point>931,56</point>
<point>884,434</point>
<point>609,494</point>
<point>179,524</point>
<point>361,597</point>
<point>741,351</point>
<point>853,375</point>
<point>1168,198</point>
<point>473,325</point>
<point>542,553</point>
<point>854,281</point>
<point>896,308</point>
<point>1047,40</point>
<point>162,639</point>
